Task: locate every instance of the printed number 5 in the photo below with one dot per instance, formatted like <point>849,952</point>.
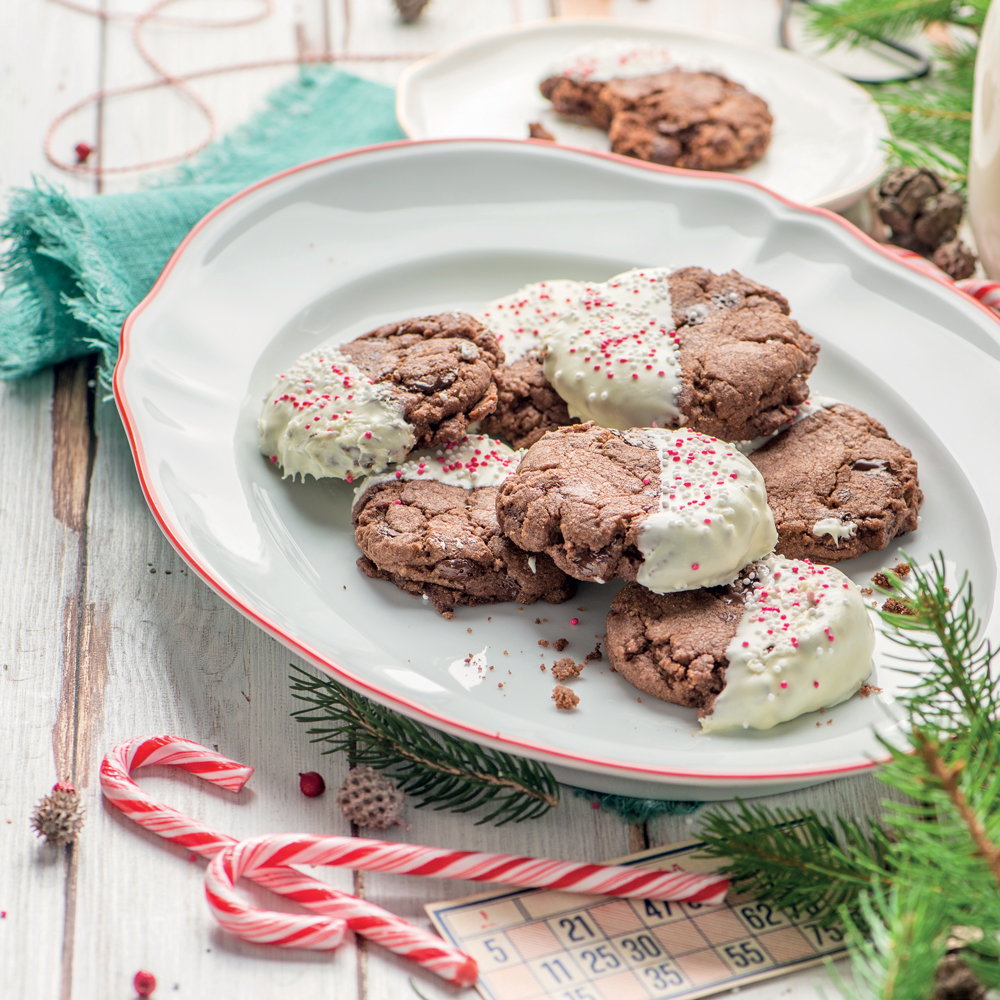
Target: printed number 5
<point>746,955</point>
<point>495,950</point>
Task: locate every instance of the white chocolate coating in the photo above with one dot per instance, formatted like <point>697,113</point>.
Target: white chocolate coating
<point>325,418</point>
<point>805,642</point>
<point>473,462</point>
<point>519,320</point>
<point>713,517</point>
<point>600,61</point>
<point>614,358</point>
<point>835,528</point>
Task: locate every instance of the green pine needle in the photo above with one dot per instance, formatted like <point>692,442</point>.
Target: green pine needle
<point>930,119</point>
<point>796,862</point>
<point>444,771</point>
<point>931,863</point>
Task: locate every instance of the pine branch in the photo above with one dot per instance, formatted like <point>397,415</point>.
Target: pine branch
<point>948,776</point>
<point>442,770</point>
<point>796,862</point>
<point>896,944</point>
<point>855,21</point>
<point>930,118</point>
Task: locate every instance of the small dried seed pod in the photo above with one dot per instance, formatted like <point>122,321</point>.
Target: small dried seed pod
<point>371,800</point>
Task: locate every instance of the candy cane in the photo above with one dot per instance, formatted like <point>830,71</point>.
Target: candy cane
<point>305,931</point>
<point>340,909</point>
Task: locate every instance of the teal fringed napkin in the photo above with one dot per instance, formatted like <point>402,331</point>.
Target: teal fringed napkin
<point>76,267</point>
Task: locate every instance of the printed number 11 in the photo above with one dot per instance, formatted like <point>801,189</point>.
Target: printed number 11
<point>557,971</point>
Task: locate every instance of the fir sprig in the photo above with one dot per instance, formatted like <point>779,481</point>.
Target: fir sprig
<point>444,771</point>
<point>800,862</point>
<point>930,119</point>
<point>932,862</point>
<point>853,21</point>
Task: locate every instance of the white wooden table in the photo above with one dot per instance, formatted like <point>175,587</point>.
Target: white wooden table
<point>104,634</point>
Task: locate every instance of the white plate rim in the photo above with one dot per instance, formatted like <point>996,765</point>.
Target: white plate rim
<point>413,72</point>
<point>532,749</point>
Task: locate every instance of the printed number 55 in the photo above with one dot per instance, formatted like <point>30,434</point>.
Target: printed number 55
<point>744,955</point>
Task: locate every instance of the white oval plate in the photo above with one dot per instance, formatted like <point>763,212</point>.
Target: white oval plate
<point>331,249</point>
<point>828,142</point>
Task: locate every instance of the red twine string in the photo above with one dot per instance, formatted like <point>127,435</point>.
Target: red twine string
<point>178,82</point>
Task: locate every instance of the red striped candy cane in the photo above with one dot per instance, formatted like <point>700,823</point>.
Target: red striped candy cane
<point>305,931</point>
<point>340,909</point>
<point>987,292</point>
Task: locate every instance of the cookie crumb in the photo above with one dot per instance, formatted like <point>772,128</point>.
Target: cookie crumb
<point>536,130</point>
<point>538,621</point>
<point>543,642</point>
<point>469,630</point>
<point>868,689</point>
<point>541,666</point>
<point>564,698</point>
<point>595,654</point>
<point>867,591</point>
<point>564,669</point>
<point>881,580</point>
<point>560,644</point>
<point>505,653</point>
<point>895,607</point>
<point>902,570</point>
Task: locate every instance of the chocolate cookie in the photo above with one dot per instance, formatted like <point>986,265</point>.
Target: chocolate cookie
<point>430,527</point>
<point>701,121</point>
<point>786,638</point>
<point>838,485</point>
<point>674,510</point>
<point>651,347</point>
<point>527,405</point>
<point>438,368</point>
<point>347,411</point>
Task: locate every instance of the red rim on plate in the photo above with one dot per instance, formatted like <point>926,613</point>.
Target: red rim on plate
<point>391,699</point>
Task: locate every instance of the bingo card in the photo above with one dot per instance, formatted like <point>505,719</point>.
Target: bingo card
<point>565,946</point>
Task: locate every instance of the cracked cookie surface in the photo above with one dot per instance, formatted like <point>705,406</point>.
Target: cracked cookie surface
<point>439,369</point>
<point>433,538</point>
<point>838,485</point>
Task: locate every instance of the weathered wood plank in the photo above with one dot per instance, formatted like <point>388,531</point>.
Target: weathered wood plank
<point>39,587</point>
<point>179,660</point>
<point>51,60</point>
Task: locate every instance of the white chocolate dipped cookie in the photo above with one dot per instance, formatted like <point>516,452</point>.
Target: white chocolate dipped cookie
<point>351,410</point>
<point>675,509</point>
<point>789,637</point>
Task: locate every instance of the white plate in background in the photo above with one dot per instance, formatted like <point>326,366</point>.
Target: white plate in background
<point>331,249</point>
<point>827,146</point>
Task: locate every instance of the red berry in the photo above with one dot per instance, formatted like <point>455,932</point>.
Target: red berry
<point>144,983</point>
<point>82,151</point>
<point>64,786</point>
<point>311,784</point>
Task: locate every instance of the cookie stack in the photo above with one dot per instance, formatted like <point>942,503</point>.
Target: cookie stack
<point>667,439</point>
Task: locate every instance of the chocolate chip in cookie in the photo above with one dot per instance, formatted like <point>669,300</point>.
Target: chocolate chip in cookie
<point>439,370</point>
<point>838,485</point>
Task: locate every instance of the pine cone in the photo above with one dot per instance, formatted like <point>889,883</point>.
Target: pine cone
<point>922,215</point>
<point>371,799</point>
<point>410,10</point>
<point>954,981</point>
<point>59,816</point>
<point>956,259</point>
